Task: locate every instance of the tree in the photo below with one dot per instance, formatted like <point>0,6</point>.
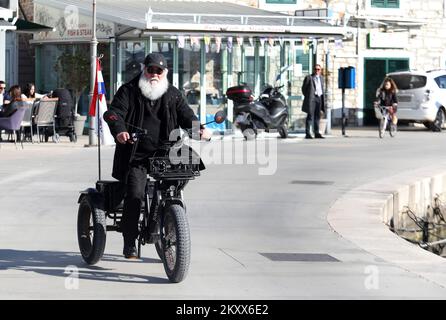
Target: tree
<point>74,72</point>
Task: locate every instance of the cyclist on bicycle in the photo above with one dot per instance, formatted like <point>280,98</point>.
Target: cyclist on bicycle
<point>386,97</point>
<point>151,103</point>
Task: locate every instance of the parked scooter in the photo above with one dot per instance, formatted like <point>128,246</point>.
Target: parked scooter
<point>268,112</point>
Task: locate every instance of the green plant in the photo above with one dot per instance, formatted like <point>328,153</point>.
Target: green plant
<point>74,72</point>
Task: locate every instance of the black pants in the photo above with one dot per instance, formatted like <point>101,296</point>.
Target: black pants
<point>314,118</point>
<point>134,198</point>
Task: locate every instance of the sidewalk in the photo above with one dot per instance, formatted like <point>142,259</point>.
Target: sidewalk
<point>82,142</point>
<point>237,219</point>
<point>362,216</point>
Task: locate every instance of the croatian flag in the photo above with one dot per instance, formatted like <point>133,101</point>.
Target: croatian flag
<point>98,101</point>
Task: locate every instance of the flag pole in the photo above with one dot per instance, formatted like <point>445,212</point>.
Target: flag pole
<point>98,116</point>
<point>93,49</point>
<point>99,139</point>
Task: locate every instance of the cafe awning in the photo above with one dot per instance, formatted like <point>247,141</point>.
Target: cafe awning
<point>192,17</point>
<point>25,26</point>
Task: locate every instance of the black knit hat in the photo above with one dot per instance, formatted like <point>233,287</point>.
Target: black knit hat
<point>156,60</point>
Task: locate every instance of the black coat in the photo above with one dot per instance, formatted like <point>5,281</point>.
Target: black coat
<point>128,104</point>
<point>309,90</point>
<point>386,98</point>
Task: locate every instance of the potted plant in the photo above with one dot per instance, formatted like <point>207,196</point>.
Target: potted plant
<point>74,73</point>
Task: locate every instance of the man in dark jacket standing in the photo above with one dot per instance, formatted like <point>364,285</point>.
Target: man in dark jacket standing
<point>314,102</point>
<point>147,102</point>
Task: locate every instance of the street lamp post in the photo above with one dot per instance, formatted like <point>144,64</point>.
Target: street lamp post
<point>94,49</point>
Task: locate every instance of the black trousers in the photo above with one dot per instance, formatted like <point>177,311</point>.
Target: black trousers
<point>134,198</point>
<point>314,119</point>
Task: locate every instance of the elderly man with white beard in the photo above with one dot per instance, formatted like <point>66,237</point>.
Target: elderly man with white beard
<point>147,102</point>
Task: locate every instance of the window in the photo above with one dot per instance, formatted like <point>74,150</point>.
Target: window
<point>214,77</point>
<point>385,3</point>
<point>408,81</point>
<point>166,49</point>
<point>280,1</point>
<point>189,72</point>
<point>4,4</point>
<point>303,59</point>
<point>132,54</point>
<point>272,61</point>
<point>441,82</point>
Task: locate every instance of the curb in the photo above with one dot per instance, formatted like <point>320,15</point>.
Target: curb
<point>363,214</point>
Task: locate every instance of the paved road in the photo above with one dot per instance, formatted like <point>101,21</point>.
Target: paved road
<point>234,214</point>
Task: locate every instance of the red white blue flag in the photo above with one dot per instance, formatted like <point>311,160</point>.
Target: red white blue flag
<point>99,102</point>
<point>99,89</point>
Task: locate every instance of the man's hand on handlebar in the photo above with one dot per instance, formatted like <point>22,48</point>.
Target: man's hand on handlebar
<point>124,137</point>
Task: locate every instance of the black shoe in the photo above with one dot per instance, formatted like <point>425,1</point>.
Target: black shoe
<point>308,136</point>
<point>318,136</point>
<point>130,252</point>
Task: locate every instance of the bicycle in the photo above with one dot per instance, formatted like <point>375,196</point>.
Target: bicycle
<point>384,115</point>
<point>164,221</point>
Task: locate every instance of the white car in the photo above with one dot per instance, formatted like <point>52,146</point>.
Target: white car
<point>422,97</point>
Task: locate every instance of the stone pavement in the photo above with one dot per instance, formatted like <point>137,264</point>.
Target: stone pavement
<point>239,221</point>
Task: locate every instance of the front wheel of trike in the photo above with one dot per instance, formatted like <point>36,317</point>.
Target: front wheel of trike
<point>91,231</point>
<point>175,243</point>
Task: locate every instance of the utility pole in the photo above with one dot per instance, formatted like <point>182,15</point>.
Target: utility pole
<point>94,49</point>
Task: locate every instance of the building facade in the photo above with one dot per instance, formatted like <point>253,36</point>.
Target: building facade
<point>8,53</point>
<point>385,36</point>
<point>209,47</point>
<point>17,63</point>
<point>379,36</point>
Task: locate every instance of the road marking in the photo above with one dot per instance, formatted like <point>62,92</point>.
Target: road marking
<point>299,257</point>
<point>315,182</point>
<point>231,257</point>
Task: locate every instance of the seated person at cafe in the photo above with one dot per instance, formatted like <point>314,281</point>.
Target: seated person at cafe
<point>30,92</point>
<point>15,93</point>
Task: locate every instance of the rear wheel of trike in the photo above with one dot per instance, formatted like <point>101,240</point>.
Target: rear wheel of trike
<point>175,243</point>
<point>91,232</point>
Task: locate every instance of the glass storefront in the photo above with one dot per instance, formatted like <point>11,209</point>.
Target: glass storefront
<point>167,50</point>
<point>68,66</point>
<point>189,73</point>
<point>131,59</point>
<point>202,63</point>
<point>273,63</point>
<point>197,64</point>
<point>194,66</point>
<point>215,73</point>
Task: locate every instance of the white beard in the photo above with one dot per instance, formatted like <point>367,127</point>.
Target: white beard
<point>153,91</point>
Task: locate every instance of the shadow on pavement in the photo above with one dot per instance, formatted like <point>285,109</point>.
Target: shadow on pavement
<point>62,264</point>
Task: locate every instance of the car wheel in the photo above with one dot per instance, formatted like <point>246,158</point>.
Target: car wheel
<point>439,121</point>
